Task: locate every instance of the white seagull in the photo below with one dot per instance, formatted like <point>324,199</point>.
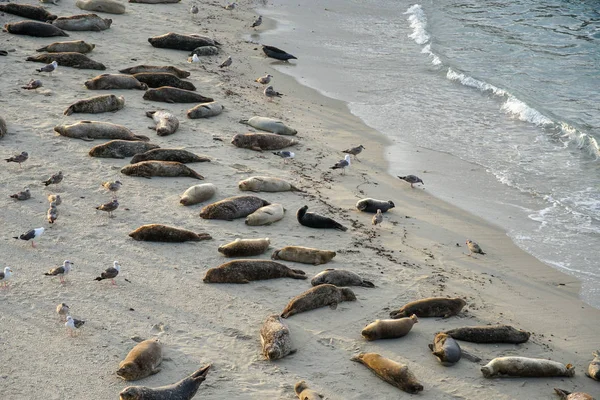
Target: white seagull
<point>32,234</point>
<point>342,164</point>
<point>48,67</point>
<point>60,271</point>
<point>5,276</point>
<point>72,324</point>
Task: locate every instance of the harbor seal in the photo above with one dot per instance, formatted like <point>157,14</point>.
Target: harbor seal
<point>489,334</point>
<point>155,68</point>
<point>340,277</point>
<point>96,105</point>
<point>244,271</point>
<point>83,22</point>
<point>262,141</point>
<point>275,338</point>
<point>304,255</point>
<point>593,370</point>
<point>394,373</point>
<point>90,130</point>
<point>169,94</point>
<point>304,393</point>
<point>185,389</point>
<point>74,46</point>
<point>178,155</point>
<point>446,349</point>
<point>197,194</point>
<point>572,396</point>
<point>316,297</point>
<point>142,361</point>
<point>107,6</point>
<point>26,11</point>
<point>431,307</point>
<point>233,207</point>
<point>266,215</point>
<point>148,169</point>
<point>177,41</point>
<point>245,247</point>
<point>114,81</point>
<point>166,123</point>
<point>526,367</point>
<point>34,28</point>
<point>266,184</point>
<point>155,1</point>
<point>389,328</point>
<point>313,220</point>
<point>205,110</point>
<point>269,125</point>
<point>121,148</point>
<point>3,130</point>
<point>160,79</point>
<point>372,205</point>
<point>205,51</point>
<point>168,234</point>
<point>68,59</point>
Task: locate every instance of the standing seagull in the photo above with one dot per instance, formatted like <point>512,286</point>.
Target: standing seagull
<point>342,164</point>
<point>72,324</point>
<point>194,58</point>
<point>226,63</point>
<point>257,22</point>
<point>285,155</point>
<point>48,68</point>
<point>62,310</point>
<point>412,179</point>
<point>5,276</point>
<point>355,151</point>
<point>109,207</point>
<point>263,80</point>
<point>55,198</point>
<point>19,158</point>
<point>110,273</point>
<point>22,195</point>
<point>377,218</point>
<point>474,248</point>
<point>112,186</point>
<point>52,214</point>
<point>270,93</point>
<point>230,7</point>
<point>54,179</point>
<point>60,271</point>
<point>32,234</point>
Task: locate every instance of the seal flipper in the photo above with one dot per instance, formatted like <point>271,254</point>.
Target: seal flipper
<point>155,371</point>
<point>89,139</point>
<point>367,284</point>
<point>142,137</point>
<point>333,306</point>
<point>297,274</point>
<point>469,356</point>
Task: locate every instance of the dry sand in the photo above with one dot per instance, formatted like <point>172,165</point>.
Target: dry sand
<point>418,252</point>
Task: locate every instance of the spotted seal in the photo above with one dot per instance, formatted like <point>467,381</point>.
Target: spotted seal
<point>233,207</point>
<point>177,155</point>
<point>156,68</point>
<point>68,59</point>
<point>114,81</point>
<point>185,389</point>
<point>304,393</point>
<point>96,105</point>
<point>372,205</point>
<point>446,349</point>
<point>526,367</point>
<point>169,94</point>
<point>266,184</point>
<point>318,296</point>
<point>245,271</point>
<point>34,28</point>
<point>160,79</point>
<point>166,122</point>
<point>262,141</point>
<point>148,169</point>
<point>205,51</point>
<point>431,307</point>
<point>90,130</point>
<point>489,334</point>
<point>304,255</point>
<point>593,370</point>
<point>24,10</point>
<point>169,234</point>
<point>107,6</point>
<point>313,220</point>
<point>83,22</point>
<point>73,46</point>
<point>275,338</point>
<point>205,110</point>
<point>121,148</point>
<point>177,41</point>
<point>394,373</point>
<point>340,277</point>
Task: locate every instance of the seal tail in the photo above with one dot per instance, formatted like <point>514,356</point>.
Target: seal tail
<point>142,138</point>
<point>243,121</point>
<point>68,111</point>
<point>297,274</point>
<point>295,189</point>
<point>200,375</point>
<point>340,227</point>
<point>367,284</point>
<point>196,175</point>
<point>275,255</point>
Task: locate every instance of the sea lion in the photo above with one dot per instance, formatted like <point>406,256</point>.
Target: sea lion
<point>340,277</point>
<point>107,6</point>
<point>96,105</point>
<point>245,247</point>
<point>275,338</point>
<point>155,1</point>
<point>489,334</point>
<point>318,296</point>
<point>148,169</point>
<point>304,255</point>
<point>205,110</point>
<point>446,349</point>
<point>90,130</point>
<point>431,307</point>
<point>154,68</point>
<point>262,141</point>
<point>197,194</point>
<point>372,205</point>
<point>205,51</point>
<point>166,123</point>
<point>244,271</point>
<point>168,94</point>
<point>266,215</point>
<point>185,389</point>
<point>394,373</point>
<point>24,10</point>
<point>177,41</point>
<point>68,59</point>
<point>313,220</point>
<point>572,396</point>
<point>269,125</point>
<point>114,81</point>
<point>304,393</point>
<point>233,207</point>
<point>74,46</point>
<point>142,361</point>
<point>593,370</point>
<point>83,22</point>
<point>34,28</point>
<point>169,234</point>
<point>526,367</point>
<point>121,148</point>
<point>389,328</point>
<point>3,130</point>
<point>266,184</point>
<point>160,79</point>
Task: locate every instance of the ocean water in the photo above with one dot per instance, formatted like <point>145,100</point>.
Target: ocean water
<point>502,99</point>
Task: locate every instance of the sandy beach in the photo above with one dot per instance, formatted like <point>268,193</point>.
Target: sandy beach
<point>419,250</point>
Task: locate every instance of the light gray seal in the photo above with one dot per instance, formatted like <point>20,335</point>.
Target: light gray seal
<point>96,105</point>
<point>107,6</point>
<point>389,328</point>
<point>160,79</point>
<point>83,22</point>
<point>197,194</point>
<point>148,169</point>
<point>233,207</point>
<point>266,215</point>
<point>3,130</point>
<point>34,28</point>
<point>177,41</point>
<point>593,370</point>
<point>245,247</point>
<point>526,367</point>
<point>372,205</point>
<point>489,334</point>
<point>177,155</point>
<point>340,277</point>
<point>156,68</point>
<point>169,94</point>
<point>68,59</point>
<point>275,338</point>
<point>262,141</point>
<point>318,296</point>
<point>73,46</point>
<point>245,271</point>
<point>166,123</point>
<point>266,184</point>
<point>269,125</point>
<point>121,148</point>
<point>114,81</point>
<point>564,395</point>
<point>205,51</point>
<point>90,130</point>
<point>304,255</point>
<point>205,110</point>
<point>185,389</point>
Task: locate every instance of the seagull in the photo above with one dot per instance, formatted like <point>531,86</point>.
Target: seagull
<point>52,214</point>
<point>19,158</point>
<point>473,248</point>
<point>285,155</point>
<point>72,324</point>
<point>22,195</point>
<point>60,271</point>
<point>263,80</point>
<point>110,273</point>
<point>112,186</point>
<point>257,22</point>
<point>5,276</point>
<point>270,93</point>
<point>355,151</point>
<point>412,179</point>
<point>194,10</point>
<point>342,164</point>
<point>55,198</point>
<point>33,84</point>
<point>226,63</point>
<point>377,218</point>
<point>32,234</point>
<point>54,179</point>
<point>230,7</point>
<point>48,67</point>
<point>62,310</point>
<point>109,207</point>
<point>194,59</point>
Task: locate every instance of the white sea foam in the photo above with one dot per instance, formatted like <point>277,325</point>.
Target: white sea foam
<point>474,83</point>
<point>522,111</point>
<point>418,22</point>
<point>435,60</point>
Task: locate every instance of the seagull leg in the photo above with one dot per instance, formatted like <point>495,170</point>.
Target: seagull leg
<point>113,282</point>
<point>32,244</point>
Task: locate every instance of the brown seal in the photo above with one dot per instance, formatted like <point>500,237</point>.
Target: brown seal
<point>34,28</point>
<point>304,255</point>
<point>372,205</point>
<point>90,130</point>
<point>68,59</point>
<point>572,396</point>
<point>489,334</point>
<point>114,81</point>
<point>169,234</point>
<point>266,215</point>
<point>142,361</point>
<point>83,22</point>
<point>446,349</point>
<point>262,141</point>
<point>340,277</point>
<point>107,6</point>
<point>389,328</point>
<point>178,155</point>
<point>233,207</point>
<point>394,373</point>
<point>244,271</point>
<point>185,389</point>
<point>275,338</point>
<point>266,184</point>
<point>177,41</point>
<point>526,367</point>
<point>245,247</point>
<point>148,169</point>
<point>304,393</point>
<point>593,370</point>
<point>168,94</point>
<point>156,68</point>
<point>431,307</point>
<point>318,296</point>
<point>197,194</point>
<point>120,148</point>
<point>24,10</point>
<point>96,105</point>
<point>166,123</point>
<point>159,79</point>
<point>74,46</point>
<point>205,110</point>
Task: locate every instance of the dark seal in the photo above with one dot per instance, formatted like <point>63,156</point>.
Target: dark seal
<point>159,79</point>
<point>185,389</point>
<point>489,334</point>
<point>318,296</point>
<point>244,271</point>
<point>431,307</point>
<point>313,220</point>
